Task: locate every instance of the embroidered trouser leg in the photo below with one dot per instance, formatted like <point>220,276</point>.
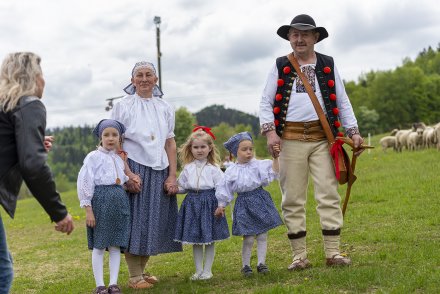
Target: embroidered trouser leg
<point>298,159</point>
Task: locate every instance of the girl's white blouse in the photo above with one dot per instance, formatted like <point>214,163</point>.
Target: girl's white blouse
<point>243,178</point>
<point>149,123</point>
<point>99,169</point>
<point>201,174</point>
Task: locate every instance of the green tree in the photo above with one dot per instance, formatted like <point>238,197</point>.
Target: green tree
<point>367,120</point>
<point>184,125</point>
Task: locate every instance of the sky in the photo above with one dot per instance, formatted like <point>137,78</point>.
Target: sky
<point>213,51</point>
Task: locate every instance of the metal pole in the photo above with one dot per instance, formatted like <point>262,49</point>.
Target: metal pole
<point>159,54</point>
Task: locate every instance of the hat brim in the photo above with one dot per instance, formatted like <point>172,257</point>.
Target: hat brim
<point>284,30</point>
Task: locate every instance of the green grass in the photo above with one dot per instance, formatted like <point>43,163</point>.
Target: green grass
<point>391,232</point>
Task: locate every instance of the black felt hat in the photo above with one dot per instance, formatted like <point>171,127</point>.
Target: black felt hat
<point>302,22</point>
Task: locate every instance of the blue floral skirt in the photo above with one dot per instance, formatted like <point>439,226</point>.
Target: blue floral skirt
<point>196,223</point>
<point>112,214</point>
<point>153,214</point>
<point>254,213</point>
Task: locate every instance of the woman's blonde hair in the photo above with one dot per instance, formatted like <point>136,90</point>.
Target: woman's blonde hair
<point>185,154</point>
<point>18,76</point>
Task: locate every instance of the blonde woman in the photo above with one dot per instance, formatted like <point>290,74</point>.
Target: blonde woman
<point>24,149</point>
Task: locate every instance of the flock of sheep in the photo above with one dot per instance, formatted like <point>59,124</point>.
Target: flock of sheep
<point>418,137</point>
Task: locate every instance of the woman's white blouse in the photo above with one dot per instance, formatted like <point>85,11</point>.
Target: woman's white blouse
<point>199,175</point>
<point>100,167</point>
<point>149,123</point>
<point>243,178</point>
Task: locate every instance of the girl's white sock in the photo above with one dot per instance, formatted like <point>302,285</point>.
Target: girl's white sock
<point>198,258</point>
<point>209,258</point>
<point>248,243</point>
<point>262,248</point>
<point>114,262</point>
<point>98,266</point>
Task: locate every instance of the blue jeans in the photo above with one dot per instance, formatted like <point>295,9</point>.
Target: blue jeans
<point>6,271</point>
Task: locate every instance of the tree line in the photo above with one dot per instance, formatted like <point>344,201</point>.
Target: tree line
<point>385,100</point>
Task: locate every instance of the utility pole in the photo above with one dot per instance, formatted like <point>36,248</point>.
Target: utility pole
<point>159,54</point>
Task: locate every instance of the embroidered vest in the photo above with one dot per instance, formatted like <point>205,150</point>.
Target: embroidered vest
<point>324,71</point>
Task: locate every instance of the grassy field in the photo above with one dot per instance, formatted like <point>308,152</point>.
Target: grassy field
<point>391,232</point>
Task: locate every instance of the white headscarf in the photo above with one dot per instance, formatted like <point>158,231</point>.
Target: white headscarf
<point>131,89</point>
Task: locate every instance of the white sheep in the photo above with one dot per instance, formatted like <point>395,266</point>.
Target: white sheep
<point>437,135</point>
<point>401,139</point>
<point>415,140</point>
<point>428,137</point>
<point>387,142</point>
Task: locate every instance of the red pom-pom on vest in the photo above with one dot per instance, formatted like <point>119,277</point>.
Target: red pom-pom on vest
<point>276,110</point>
<point>331,83</point>
<point>335,111</point>
<point>333,97</point>
<point>327,70</point>
<point>276,122</point>
<point>286,70</point>
<point>340,134</point>
<point>337,124</point>
<point>280,83</point>
<point>278,97</point>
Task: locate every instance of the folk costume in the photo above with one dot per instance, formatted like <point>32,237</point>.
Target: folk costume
<point>149,123</point>
<point>100,185</point>
<point>286,108</point>
<point>254,212</point>
<point>196,223</point>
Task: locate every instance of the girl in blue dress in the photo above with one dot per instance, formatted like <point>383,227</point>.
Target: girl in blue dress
<point>100,191</point>
<point>196,223</point>
<point>254,211</point>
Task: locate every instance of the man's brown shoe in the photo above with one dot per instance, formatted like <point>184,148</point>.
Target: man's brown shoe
<point>299,265</point>
<point>338,260</point>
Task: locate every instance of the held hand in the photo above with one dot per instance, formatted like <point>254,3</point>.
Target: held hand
<point>65,225</point>
<point>48,140</point>
<point>170,186</point>
<point>277,150</point>
<point>136,178</point>
<point>133,186</point>
<point>219,212</point>
<point>272,141</point>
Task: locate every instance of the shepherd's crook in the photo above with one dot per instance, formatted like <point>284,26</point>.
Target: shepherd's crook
<point>351,178</point>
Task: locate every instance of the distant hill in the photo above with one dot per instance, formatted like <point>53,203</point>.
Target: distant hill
<point>215,114</point>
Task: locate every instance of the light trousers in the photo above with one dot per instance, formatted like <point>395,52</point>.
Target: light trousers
<point>298,160</point>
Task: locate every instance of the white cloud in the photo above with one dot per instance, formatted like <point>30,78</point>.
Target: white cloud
<point>213,51</point>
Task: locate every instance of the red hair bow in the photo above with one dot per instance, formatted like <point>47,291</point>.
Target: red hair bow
<point>205,129</point>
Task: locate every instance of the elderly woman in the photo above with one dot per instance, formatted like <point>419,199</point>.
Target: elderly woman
<point>23,150</point>
<point>151,150</point>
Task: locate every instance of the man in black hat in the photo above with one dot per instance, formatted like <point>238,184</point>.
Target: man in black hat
<point>288,118</point>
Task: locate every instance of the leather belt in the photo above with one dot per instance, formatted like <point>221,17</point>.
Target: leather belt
<point>304,131</point>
